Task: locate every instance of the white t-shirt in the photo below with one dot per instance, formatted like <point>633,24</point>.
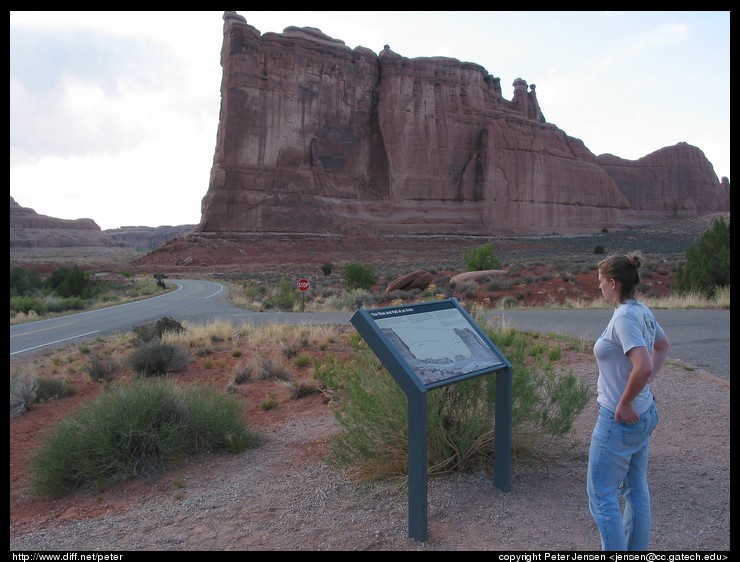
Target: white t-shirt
<point>632,325</point>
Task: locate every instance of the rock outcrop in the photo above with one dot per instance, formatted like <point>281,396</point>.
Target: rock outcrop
<point>316,137</point>
<point>148,237</point>
<point>28,229</point>
<point>418,279</point>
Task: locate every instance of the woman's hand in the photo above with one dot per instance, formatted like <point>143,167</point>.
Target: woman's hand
<point>626,414</point>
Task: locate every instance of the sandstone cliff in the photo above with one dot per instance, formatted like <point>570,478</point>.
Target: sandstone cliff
<point>318,138</point>
<point>148,237</point>
<point>28,229</point>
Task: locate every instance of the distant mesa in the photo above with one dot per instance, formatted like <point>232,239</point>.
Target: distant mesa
<point>28,229</point>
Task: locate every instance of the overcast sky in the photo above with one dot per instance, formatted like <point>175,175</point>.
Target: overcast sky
<point>113,115</point>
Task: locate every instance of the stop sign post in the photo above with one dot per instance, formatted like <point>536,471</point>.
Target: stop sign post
<point>303,286</point>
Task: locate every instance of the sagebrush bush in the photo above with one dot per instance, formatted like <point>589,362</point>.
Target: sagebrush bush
<point>372,410</point>
<point>53,389</point>
<point>101,369</point>
<point>155,358</point>
<point>24,387</point>
<point>134,432</point>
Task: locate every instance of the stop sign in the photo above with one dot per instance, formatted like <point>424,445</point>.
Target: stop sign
<point>303,284</point>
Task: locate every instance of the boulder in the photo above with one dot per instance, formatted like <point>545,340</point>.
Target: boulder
<point>418,279</point>
<point>477,275</point>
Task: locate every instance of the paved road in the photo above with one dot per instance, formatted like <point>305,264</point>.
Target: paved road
<point>700,338</point>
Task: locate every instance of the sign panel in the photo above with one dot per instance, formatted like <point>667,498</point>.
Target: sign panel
<point>426,346</point>
<point>303,284</point>
<point>437,340</point>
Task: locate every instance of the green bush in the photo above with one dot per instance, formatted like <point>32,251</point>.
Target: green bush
<point>285,298</point>
<point>24,281</point>
<point>707,266</point>
<point>481,258</point>
<point>372,410</point>
<point>155,358</point>
<point>357,275</point>
<point>134,432</point>
<point>71,282</point>
<point>599,250</point>
<point>326,268</point>
<point>26,304</point>
<point>53,389</point>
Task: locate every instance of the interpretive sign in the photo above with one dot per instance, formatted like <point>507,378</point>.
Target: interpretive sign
<point>425,346</point>
<point>437,340</point>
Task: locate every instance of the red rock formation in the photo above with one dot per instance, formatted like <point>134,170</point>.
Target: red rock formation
<point>28,229</point>
<point>418,279</point>
<point>316,137</point>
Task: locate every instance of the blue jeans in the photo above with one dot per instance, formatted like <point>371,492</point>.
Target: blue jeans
<point>617,464</point>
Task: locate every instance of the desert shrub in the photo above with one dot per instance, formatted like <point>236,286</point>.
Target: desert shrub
<point>26,304</point>
<point>467,288</point>
<point>102,369</point>
<point>357,275</point>
<point>71,282</point>
<point>155,358</point>
<point>481,258</point>
<point>299,389</point>
<point>272,369</point>
<point>286,297</point>
<point>269,404</point>
<point>355,298</point>
<point>302,360</point>
<point>326,268</point>
<point>599,250</point>
<point>24,281</point>
<point>155,330</point>
<point>53,389</point>
<point>707,265</point>
<point>372,410</point>
<point>24,386</point>
<point>134,432</point>
<point>242,373</point>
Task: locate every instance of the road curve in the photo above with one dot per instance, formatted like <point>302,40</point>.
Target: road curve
<point>700,338</point>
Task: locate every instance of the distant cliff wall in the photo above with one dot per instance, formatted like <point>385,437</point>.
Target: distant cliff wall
<point>28,229</point>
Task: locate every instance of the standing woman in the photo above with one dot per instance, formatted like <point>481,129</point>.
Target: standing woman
<point>630,352</point>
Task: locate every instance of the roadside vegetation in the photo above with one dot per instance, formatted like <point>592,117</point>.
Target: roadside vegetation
<point>155,406</point>
<point>152,412</point>
<point>702,280</point>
